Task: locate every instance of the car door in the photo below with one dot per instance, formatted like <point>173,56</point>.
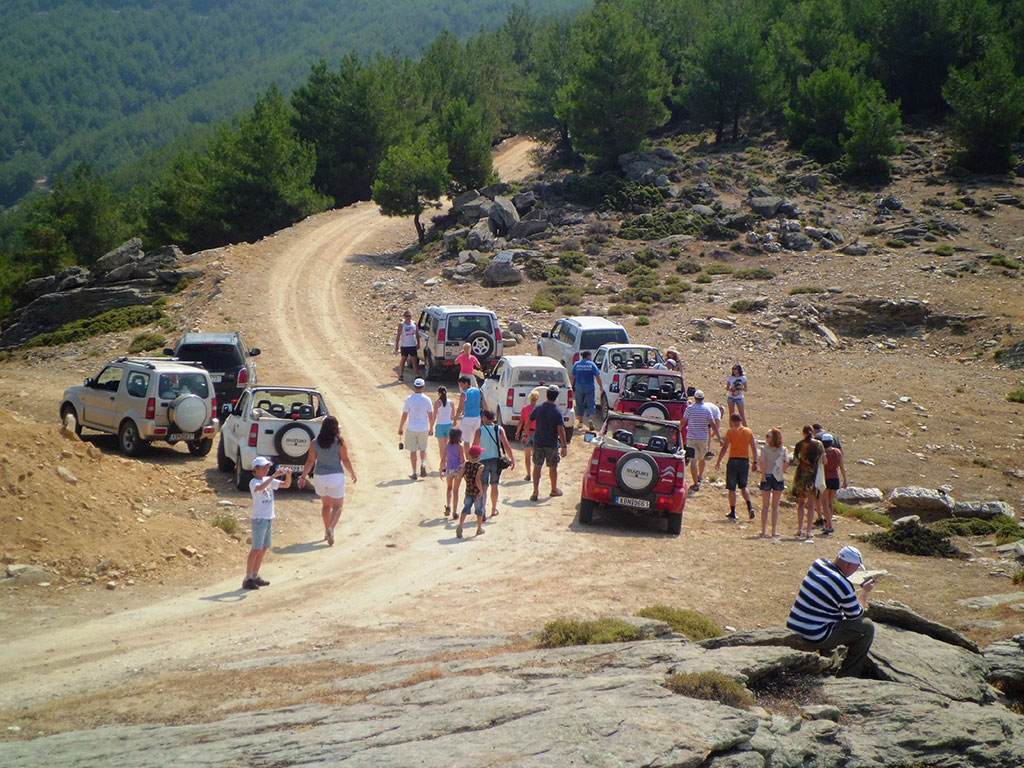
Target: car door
<point>491,386</point>
<point>548,344</point>
<point>99,400</point>
<point>132,396</point>
<point>237,425</point>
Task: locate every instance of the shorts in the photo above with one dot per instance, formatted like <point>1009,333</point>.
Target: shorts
<point>330,486</point>
<point>772,483</point>
<point>261,532</point>
<point>526,440</point>
<point>737,473</point>
<point>452,473</point>
<point>491,473</point>
<point>735,398</point>
<point>700,447</point>
<point>410,352</point>
<point>470,502</point>
<point>470,424</point>
<point>416,440</point>
<point>832,483</point>
<point>442,430</point>
<point>586,402</point>
<point>546,454</point>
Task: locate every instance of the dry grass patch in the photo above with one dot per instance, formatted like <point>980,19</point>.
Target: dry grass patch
<point>710,686</point>
<point>694,625</point>
<point>561,632</point>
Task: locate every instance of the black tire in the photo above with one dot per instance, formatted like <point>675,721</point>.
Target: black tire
<point>603,407</point>
<point>587,507</point>
<point>481,344</point>
<point>510,429</point>
<point>129,440</point>
<point>652,411</point>
<point>568,434</point>
<point>200,447</point>
<point>631,484</point>
<point>430,370</point>
<point>242,476</point>
<point>284,444</point>
<point>224,464</point>
<point>675,524</point>
<point>67,412</point>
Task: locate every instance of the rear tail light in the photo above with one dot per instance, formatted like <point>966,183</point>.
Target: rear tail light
<point>680,476</point>
<point>214,407</point>
<point>440,335</point>
<point>254,433</point>
<point>576,358</point>
<point>151,408</point>
<point>243,376</point>
<point>510,397</point>
<point>497,334</point>
<point>570,399</point>
<point>615,380</point>
<point>595,463</point>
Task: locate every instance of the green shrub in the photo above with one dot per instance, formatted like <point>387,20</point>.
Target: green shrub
<point>626,266</point>
<point>896,243</point>
<point>870,136</point>
<point>574,261</point>
<point>1018,576</point>
<point>643,320</point>
<point>754,273</point>
<point>632,197</point>
<point>695,626</point>
<point>659,224</point>
<point>687,267</point>
<point>108,322</point>
<point>536,269</point>
<point>944,250</point>
<point>1017,396</point>
<point>562,632</point>
<point>743,305</point>
<point>718,268</point>
<point>647,258</point>
<point>864,514</point>
<point>710,686</point>
<point>914,539</point>
<point>800,289</point>
<point>145,342</point>
<point>703,278</point>
<point>616,310</point>
<point>226,523</point>
<point>1004,527</point>
<point>544,301</point>
<point>1002,261</point>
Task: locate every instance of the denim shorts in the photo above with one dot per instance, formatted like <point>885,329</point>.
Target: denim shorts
<point>261,532</point>
<point>772,483</point>
<point>737,473</point>
<point>442,430</point>
<point>471,501</point>
<point>491,473</point>
<point>832,483</point>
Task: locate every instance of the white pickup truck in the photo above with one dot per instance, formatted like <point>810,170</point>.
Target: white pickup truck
<point>277,422</point>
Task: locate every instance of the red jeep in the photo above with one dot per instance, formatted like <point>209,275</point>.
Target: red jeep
<point>639,464</point>
<point>652,393</point>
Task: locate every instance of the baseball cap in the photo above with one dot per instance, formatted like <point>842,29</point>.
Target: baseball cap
<point>261,461</point>
<point>852,555</point>
<point>419,383</point>
<point>476,451</point>
<point>553,389</point>
<point>698,395</point>
<point>827,438</point>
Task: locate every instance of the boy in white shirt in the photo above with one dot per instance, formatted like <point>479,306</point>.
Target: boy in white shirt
<point>262,487</point>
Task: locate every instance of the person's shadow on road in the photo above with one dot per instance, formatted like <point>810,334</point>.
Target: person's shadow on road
<point>397,481</point>
<point>234,596</point>
<point>300,547</point>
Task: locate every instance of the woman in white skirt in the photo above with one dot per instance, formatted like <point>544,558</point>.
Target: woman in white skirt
<point>329,456</point>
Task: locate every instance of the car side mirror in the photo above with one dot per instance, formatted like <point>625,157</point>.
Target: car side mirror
<point>226,410</point>
<point>545,335</point>
<point>254,352</point>
<point>589,437</point>
<point>89,381</point>
<point>614,387</point>
<point>168,351</point>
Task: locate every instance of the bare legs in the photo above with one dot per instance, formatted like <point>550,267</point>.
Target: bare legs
<point>330,511</point>
<point>805,510</point>
<point>774,496</point>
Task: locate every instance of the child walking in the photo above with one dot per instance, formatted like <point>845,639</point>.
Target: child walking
<point>262,487</point>
<point>451,470</point>
<point>474,490</point>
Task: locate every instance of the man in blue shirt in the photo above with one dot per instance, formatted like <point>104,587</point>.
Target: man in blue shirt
<point>549,441</point>
<point>585,378</point>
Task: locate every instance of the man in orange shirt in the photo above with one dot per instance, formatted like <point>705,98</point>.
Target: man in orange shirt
<point>739,441</point>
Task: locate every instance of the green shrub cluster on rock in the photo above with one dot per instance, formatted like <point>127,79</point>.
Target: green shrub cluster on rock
<point>911,538</point>
<point>587,632</point>
<point>710,686</point>
<point>108,322</point>
<point>696,626</point>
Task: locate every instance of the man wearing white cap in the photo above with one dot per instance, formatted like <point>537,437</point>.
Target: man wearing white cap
<point>699,421</point>
<point>828,612</point>
<point>419,412</point>
<point>262,487</point>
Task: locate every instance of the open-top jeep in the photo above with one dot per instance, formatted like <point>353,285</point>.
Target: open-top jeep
<point>652,393</point>
<point>638,464</point>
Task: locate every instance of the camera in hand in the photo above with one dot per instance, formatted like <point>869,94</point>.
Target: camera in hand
<point>401,445</point>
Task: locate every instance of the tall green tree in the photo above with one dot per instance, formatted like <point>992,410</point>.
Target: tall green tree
<point>817,112</point>
<point>411,174</point>
<point>988,110</point>
<point>545,78</point>
<point>468,146</point>
<point>615,90</point>
<point>870,138</point>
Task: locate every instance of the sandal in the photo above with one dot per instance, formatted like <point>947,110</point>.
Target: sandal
<point>533,497</point>
<point>480,531</point>
<point>458,532</point>
<point>556,492</point>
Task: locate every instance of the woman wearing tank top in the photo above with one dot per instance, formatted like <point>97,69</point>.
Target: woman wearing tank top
<point>408,339</point>
<point>330,457</point>
<point>443,410</point>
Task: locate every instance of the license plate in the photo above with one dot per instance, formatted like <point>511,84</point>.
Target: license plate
<point>182,436</point>
<point>629,501</point>
<point>216,377</point>
<point>292,467</point>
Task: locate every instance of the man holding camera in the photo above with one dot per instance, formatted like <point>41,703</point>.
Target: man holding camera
<point>829,613</point>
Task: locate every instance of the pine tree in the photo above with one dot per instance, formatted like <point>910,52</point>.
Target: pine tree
<point>410,174</point>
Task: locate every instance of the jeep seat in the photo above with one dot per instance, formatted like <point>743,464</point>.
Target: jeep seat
<point>623,436</point>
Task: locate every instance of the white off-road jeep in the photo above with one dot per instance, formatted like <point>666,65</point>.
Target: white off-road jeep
<point>277,422</point>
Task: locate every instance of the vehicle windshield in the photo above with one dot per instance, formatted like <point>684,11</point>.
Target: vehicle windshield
<point>171,385</point>
<point>634,357</point>
<point>536,376</point>
<point>462,326</point>
<point>645,385</point>
<point>641,432</point>
<point>285,404</point>
<point>595,338</point>
<point>214,357</point>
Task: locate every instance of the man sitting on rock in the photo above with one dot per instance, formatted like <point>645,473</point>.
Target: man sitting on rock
<point>828,613</point>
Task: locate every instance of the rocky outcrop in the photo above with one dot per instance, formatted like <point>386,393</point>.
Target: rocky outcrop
<point>855,495</point>
<point>857,316</point>
<point>122,278</point>
<point>1006,664</point>
<point>984,510</point>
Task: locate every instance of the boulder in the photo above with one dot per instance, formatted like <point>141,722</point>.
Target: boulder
<point>481,236</point>
<point>124,254</point>
<point>796,241</point>
<point>527,228</point>
<point>503,215</point>
<point>1006,664</point>
<point>464,199</point>
<point>635,165</point>
<point>855,250</point>
<point>790,209</point>
<point>984,510</point>
<point>921,499</point>
<point>857,495</point>
<point>738,220</point>
<point>493,190</point>
<point>766,205</point>
<point>896,614</point>
<point>524,201</point>
<point>27,574</point>
<point>469,257</point>
<point>499,273</point>
<point>703,210</point>
<point>452,237</point>
<point>472,211</point>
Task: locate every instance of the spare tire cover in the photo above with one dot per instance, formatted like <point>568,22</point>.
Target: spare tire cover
<point>292,442</point>
<point>188,412</point>
<point>636,472</point>
<point>653,411</point>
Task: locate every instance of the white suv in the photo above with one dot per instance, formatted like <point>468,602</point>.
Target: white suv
<point>143,399</point>
<point>507,389</point>
<point>444,329</point>
<point>572,335</point>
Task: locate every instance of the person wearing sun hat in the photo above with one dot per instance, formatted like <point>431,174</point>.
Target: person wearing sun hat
<point>262,487</point>
<point>828,612</point>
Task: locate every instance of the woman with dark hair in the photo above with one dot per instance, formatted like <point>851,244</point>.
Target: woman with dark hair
<point>807,454</point>
<point>443,412</point>
<point>330,457</point>
<point>735,386</point>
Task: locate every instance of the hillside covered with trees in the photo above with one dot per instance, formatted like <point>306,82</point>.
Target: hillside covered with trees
<point>838,78</point>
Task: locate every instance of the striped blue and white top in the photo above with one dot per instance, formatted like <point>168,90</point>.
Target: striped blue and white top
<point>826,598</point>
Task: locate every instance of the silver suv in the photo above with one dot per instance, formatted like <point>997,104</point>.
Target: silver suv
<point>143,399</point>
<point>443,331</point>
<point>572,335</point>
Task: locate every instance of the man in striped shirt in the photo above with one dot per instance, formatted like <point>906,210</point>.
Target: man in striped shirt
<point>829,613</point>
<point>699,421</point>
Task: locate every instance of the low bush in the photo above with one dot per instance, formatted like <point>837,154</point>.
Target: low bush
<point>643,320</point>
<point>226,523</point>
<point>914,539</point>
<point>944,250</point>
<point>710,686</point>
<point>615,310</point>
<point>1005,528</point>
<point>1018,576</point>
<point>703,278</point>
<point>718,268</point>
<point>801,289</point>
<point>1017,396</point>
<point>864,514</point>
<point>536,269</point>
<point>562,632</point>
<point>896,243</point>
<point>574,261</point>
<point>544,301</point>
<point>687,267</point>
<point>1003,261</point>
<point>743,305</point>
<point>696,626</point>
<point>754,273</point>
<point>626,266</point>
<point>145,342</point>
<point>111,321</point>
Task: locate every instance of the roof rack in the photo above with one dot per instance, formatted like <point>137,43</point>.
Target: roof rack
<point>149,361</point>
